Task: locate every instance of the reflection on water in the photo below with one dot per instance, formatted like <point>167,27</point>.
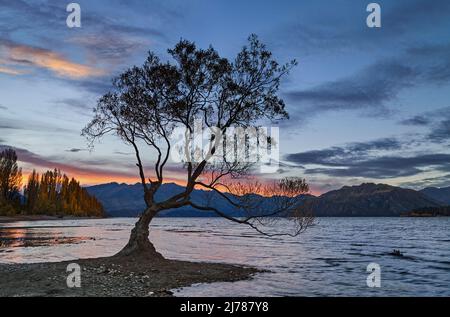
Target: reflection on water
<point>330,259</point>
<point>15,237</point>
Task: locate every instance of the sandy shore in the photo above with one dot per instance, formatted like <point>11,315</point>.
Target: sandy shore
<point>114,277</point>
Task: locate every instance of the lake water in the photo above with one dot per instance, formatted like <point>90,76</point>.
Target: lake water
<point>330,259</point>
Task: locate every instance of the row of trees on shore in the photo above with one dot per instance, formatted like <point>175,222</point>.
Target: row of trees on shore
<point>51,193</point>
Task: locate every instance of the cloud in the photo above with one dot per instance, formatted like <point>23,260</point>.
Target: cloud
<point>110,48</point>
<point>369,160</point>
<point>387,167</point>
<point>408,15</point>
<point>75,103</point>
<point>44,23</point>
<point>29,16</point>
<point>377,85</point>
<point>403,22</point>
<point>37,161</point>
<point>440,133</point>
<point>369,89</point>
<point>440,126</point>
<point>94,171</point>
<point>30,125</point>
<point>11,71</point>
<point>416,121</point>
<point>48,14</point>
<point>440,181</point>
<point>159,8</point>
<point>5,126</point>
<point>338,156</point>
<point>123,153</point>
<point>96,86</point>
<point>25,56</point>
<point>75,150</point>
<point>438,121</point>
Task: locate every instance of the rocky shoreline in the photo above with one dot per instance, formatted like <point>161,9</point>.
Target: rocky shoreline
<point>106,277</point>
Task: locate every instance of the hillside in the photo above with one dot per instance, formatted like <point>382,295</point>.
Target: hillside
<point>368,200</point>
<point>439,194</point>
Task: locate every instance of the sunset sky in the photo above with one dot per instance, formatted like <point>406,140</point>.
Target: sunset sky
<point>366,105</point>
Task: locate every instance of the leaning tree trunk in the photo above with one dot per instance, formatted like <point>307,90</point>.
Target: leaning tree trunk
<point>139,244</point>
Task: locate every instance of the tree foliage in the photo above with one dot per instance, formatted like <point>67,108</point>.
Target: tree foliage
<point>10,181</point>
<point>148,102</point>
<point>54,193</point>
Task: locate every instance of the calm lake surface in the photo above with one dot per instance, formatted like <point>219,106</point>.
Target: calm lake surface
<point>330,259</point>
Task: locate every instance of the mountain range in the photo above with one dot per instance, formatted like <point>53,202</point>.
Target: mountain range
<point>123,200</point>
<point>369,200</point>
<point>365,200</point>
<point>441,195</point>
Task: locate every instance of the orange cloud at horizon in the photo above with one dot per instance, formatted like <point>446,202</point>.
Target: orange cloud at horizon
<point>102,178</point>
<point>27,55</point>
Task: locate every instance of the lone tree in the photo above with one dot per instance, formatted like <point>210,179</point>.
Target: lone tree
<point>148,103</point>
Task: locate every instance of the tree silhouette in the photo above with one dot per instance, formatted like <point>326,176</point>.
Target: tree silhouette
<point>54,193</point>
<point>10,180</point>
<point>148,103</point>
<point>31,193</point>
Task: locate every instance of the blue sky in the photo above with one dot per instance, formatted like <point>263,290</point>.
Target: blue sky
<point>366,105</point>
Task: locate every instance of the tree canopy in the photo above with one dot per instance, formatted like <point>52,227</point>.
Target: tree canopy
<point>148,102</point>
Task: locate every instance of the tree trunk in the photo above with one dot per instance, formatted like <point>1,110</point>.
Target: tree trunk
<point>139,245</point>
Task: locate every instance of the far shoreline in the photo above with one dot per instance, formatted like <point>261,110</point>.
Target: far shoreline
<point>17,218</point>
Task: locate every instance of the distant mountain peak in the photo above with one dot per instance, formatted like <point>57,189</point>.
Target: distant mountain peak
<point>439,194</point>
<point>369,199</point>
